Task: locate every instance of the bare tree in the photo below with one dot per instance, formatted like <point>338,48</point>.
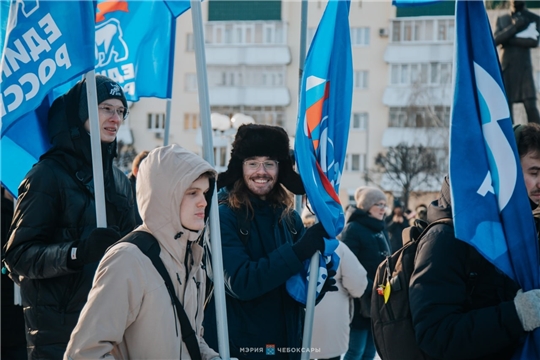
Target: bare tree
<point>408,167</point>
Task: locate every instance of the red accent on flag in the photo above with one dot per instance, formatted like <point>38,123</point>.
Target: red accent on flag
<point>327,185</point>
<point>110,6</point>
<point>314,114</point>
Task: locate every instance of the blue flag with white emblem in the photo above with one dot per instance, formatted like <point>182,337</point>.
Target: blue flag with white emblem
<point>323,120</point>
<point>43,48</point>
<point>488,191</point>
<point>135,45</point>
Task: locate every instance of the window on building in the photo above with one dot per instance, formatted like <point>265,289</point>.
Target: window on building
<point>245,32</point>
<point>355,163</point>
<point>406,74</point>
<point>270,115</point>
<point>423,30</point>
<point>220,156</point>
<point>361,80</point>
<point>360,36</point>
<point>412,116</point>
<point>190,45</point>
<point>191,121</point>
<point>156,122</point>
<point>190,84</point>
<point>252,76</point>
<point>359,121</point>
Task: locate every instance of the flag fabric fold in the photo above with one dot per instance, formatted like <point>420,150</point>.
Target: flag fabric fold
<point>323,125</point>
<point>488,190</point>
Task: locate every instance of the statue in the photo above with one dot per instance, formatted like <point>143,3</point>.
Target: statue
<point>518,32</point>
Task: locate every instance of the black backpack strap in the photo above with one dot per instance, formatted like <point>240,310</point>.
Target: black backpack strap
<point>150,247</point>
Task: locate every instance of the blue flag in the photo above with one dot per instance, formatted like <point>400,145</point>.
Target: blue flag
<point>488,191</point>
<point>135,45</point>
<point>324,118</point>
<point>44,47</point>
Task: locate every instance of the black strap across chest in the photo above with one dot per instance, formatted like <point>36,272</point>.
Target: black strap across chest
<point>150,247</point>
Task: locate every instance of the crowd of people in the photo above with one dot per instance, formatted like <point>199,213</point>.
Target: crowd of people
<point>136,289</point>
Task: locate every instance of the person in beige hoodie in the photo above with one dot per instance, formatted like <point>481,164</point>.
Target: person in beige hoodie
<point>129,314</point>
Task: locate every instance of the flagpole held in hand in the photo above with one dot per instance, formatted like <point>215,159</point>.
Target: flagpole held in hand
<point>310,305</point>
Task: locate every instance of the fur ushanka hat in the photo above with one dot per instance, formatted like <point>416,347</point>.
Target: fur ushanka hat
<point>261,140</point>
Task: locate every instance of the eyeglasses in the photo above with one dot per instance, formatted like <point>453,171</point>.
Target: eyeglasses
<point>269,165</point>
<point>381,205</point>
<point>110,110</point>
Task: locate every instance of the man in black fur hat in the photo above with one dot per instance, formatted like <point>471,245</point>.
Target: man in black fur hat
<point>264,244</point>
<point>54,246</point>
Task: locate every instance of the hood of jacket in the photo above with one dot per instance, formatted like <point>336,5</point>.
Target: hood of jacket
<point>362,217</point>
<point>163,178</point>
<point>442,207</point>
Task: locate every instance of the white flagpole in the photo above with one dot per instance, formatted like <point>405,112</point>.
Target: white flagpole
<point>208,154</point>
<point>167,122</point>
<point>314,264</point>
<point>95,141</point>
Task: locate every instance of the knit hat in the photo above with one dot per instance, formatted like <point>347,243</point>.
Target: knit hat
<point>261,140</point>
<point>367,196</point>
<point>106,89</point>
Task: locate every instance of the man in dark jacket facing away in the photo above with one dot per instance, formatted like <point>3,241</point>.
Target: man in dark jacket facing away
<point>264,244</point>
<point>462,306</point>
<point>54,245</point>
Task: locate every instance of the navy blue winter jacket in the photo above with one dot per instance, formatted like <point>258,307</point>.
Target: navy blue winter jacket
<point>260,312</point>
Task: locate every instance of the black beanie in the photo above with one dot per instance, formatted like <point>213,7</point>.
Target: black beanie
<point>262,140</point>
<point>106,89</point>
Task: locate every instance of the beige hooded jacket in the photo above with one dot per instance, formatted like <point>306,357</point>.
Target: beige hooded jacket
<point>129,314</point>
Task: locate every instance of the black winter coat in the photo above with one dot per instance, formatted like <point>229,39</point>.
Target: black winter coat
<point>366,238</point>
<point>55,209</point>
<point>462,306</point>
<point>516,60</point>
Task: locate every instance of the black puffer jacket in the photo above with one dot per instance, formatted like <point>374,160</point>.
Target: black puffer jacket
<point>366,238</point>
<point>462,306</point>
<point>55,208</point>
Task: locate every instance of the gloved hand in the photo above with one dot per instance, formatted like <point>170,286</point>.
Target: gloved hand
<point>329,284</point>
<point>93,247</point>
<point>528,308</point>
<point>312,241</point>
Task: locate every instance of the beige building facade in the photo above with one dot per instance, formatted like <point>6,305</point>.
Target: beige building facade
<point>402,83</point>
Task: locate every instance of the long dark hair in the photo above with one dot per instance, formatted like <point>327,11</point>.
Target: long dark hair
<point>238,198</point>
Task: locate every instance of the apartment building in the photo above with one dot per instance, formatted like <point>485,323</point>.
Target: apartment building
<point>402,61</point>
